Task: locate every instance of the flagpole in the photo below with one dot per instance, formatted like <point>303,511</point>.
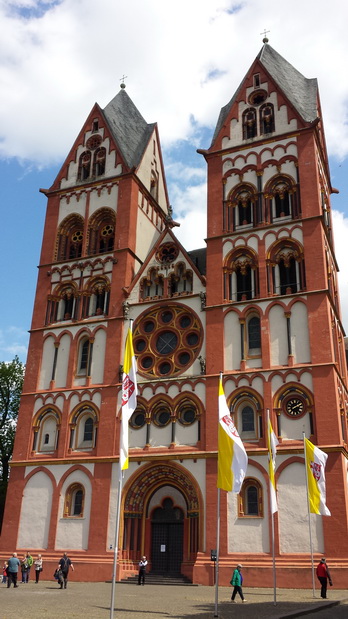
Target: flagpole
<point>217,554</point>
<point>117,529</point>
<point>309,514</point>
<point>270,455</point>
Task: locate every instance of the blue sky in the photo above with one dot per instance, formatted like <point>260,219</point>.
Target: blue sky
<point>184,60</point>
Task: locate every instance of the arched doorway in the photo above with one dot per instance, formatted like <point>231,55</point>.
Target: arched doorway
<point>162,508</point>
<point>167,536</point>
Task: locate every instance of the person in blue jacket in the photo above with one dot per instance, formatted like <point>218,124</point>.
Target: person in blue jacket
<point>237,581</point>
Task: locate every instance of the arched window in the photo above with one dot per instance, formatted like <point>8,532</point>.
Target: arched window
<point>46,431</point>
<point>96,300</point>
<point>74,501</point>
<point>84,358</point>
<point>161,415</point>
<point>283,198</point>
<point>67,304</point>
<point>287,264</point>
<point>152,285</point>
<point>101,232</point>
<point>180,282</point>
<point>84,170</point>
<point>70,238</point>
<point>250,499</point>
<point>246,413</point>
<point>154,185</point>
<point>253,336</point>
<point>242,204</point>
<point>99,161</point>
<point>241,276</point>
<point>249,124</point>
<point>83,429</point>
<point>267,119</point>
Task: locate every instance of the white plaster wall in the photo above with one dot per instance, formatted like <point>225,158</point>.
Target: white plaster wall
<point>72,206</point>
<point>232,335</point>
<point>137,438</point>
<point>107,199</point>
<point>49,427</point>
<point>46,363</point>
<point>59,470</point>
<point>73,532</point>
<point>248,534</point>
<point>293,428</point>
<point>278,336</point>
<point>151,161</point>
<point>146,236</point>
<point>299,333</point>
<point>160,437</point>
<point>186,435</point>
<point>63,361</point>
<point>98,358</point>
<point>293,513</point>
<point>35,512</point>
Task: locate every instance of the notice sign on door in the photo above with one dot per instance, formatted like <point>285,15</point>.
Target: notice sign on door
<point>163,547</point>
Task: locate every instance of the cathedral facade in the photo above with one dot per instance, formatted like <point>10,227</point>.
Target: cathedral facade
<point>259,303</point>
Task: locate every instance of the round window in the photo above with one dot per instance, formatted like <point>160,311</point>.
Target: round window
<point>162,417</point>
<point>187,416</point>
<point>166,342</point>
<point>137,419</point>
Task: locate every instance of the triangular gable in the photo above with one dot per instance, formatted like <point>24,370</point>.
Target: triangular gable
<point>300,93</point>
<point>96,113</point>
<point>166,234</point>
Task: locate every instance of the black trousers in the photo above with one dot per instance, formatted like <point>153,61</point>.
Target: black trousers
<point>141,577</point>
<point>12,577</point>
<point>237,589</point>
<point>323,582</point>
<point>65,578</point>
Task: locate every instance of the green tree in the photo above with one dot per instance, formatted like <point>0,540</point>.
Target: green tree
<point>11,384</point>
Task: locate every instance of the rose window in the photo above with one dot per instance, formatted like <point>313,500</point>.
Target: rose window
<point>167,340</point>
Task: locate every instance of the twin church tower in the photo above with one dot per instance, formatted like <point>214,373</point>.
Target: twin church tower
<point>260,303</point>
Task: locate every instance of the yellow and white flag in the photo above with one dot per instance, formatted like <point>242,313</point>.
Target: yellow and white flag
<point>232,457</point>
<point>272,443</point>
<point>129,396</point>
<point>316,462</point>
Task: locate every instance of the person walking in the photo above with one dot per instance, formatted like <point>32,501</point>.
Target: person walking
<point>142,570</point>
<point>12,570</point>
<point>237,581</point>
<point>323,575</point>
<point>38,568</point>
<point>64,565</point>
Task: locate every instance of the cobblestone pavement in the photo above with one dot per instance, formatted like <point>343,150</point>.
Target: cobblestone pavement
<point>92,601</point>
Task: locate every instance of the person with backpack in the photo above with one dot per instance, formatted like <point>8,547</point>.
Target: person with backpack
<point>64,565</point>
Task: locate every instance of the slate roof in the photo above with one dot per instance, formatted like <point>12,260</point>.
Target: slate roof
<point>199,259</point>
<point>301,91</point>
<point>130,130</point>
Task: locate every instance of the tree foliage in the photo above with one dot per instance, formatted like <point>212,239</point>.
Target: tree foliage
<point>11,383</point>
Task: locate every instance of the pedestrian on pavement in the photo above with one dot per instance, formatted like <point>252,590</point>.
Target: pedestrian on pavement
<point>4,573</point>
<point>64,565</point>
<point>30,562</point>
<point>24,569</point>
<point>38,568</point>
<point>236,582</point>
<point>323,575</point>
<point>142,570</point>
<point>12,570</point>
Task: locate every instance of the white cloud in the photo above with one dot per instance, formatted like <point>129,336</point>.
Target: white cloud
<point>183,60</point>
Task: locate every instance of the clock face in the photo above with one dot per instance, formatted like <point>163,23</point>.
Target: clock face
<point>294,407</point>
